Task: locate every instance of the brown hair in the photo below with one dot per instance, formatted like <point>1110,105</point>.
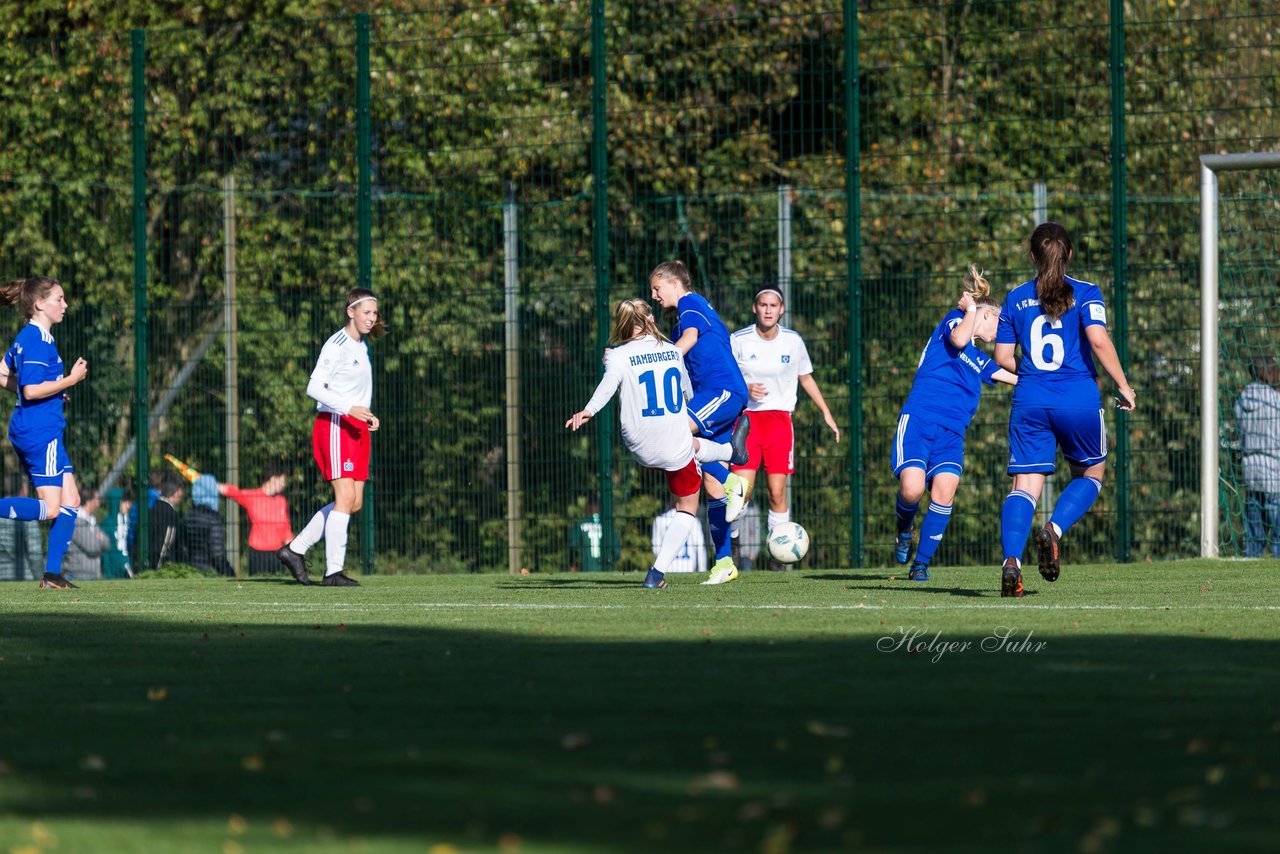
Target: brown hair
<point>1051,249</point>
<point>977,286</point>
<point>629,314</point>
<point>357,294</point>
<point>673,270</point>
<point>25,292</point>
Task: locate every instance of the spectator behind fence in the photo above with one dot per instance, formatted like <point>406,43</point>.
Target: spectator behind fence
<point>21,542</point>
<point>268,512</point>
<point>115,560</point>
<point>1257,412</point>
<point>88,542</point>
<point>164,520</point>
<point>587,542</point>
<point>202,540</point>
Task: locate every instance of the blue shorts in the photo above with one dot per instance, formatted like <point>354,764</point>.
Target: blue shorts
<point>45,463</point>
<point>715,412</point>
<point>1035,433</point>
<point>922,444</point>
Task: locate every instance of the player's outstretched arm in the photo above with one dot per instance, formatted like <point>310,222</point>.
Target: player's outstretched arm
<point>578,419</point>
<point>810,385</point>
<point>1100,341</point>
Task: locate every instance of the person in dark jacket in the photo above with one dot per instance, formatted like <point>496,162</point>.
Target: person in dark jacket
<point>164,521</point>
<point>203,540</point>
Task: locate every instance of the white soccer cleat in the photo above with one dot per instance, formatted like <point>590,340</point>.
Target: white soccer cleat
<point>735,493</point>
<point>723,572</point>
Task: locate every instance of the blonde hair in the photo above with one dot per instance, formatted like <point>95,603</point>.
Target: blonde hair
<point>629,314</point>
<point>977,286</point>
<point>673,270</point>
<point>25,292</point>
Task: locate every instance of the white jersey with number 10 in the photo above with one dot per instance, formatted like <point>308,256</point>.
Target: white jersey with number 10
<point>654,387</point>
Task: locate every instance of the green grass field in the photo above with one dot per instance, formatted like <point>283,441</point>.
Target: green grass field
<point>1130,708</point>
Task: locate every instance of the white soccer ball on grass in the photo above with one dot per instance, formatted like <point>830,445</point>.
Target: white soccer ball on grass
<point>788,542</point>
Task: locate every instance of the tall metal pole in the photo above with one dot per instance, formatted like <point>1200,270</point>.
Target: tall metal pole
<point>1120,271</point>
<point>1208,361</point>
<point>853,272</point>
<point>784,271</point>
<point>364,234</point>
<point>138,128</point>
<point>231,378</point>
<point>511,287</point>
<point>600,261</point>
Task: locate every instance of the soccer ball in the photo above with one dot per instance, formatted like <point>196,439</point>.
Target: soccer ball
<point>788,542</point>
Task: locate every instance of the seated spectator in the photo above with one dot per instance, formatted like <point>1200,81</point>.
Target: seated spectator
<point>21,542</point>
<point>164,520</point>
<point>88,542</point>
<point>203,537</point>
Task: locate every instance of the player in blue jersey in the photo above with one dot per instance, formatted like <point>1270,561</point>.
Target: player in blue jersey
<point>1060,325</point>
<point>719,397</point>
<point>33,370</point>
<point>928,450</point>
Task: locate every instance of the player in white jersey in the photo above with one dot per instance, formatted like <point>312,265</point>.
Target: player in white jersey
<point>342,386</point>
<point>649,375</point>
<point>775,363</point>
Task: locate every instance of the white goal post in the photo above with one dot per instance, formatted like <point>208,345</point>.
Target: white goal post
<point>1210,166</point>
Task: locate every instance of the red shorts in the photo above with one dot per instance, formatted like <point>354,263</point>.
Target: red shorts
<point>685,481</point>
<point>341,446</point>
<point>771,442</point>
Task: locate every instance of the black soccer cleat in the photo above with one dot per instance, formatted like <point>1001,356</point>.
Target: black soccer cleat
<point>738,441</point>
<point>1011,579</point>
<point>56,581</point>
<point>340,579</point>
<point>293,560</point>
<point>1047,546</point>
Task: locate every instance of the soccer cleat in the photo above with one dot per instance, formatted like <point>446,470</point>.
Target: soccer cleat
<point>735,493</point>
<point>739,441</point>
<point>1047,546</point>
<point>655,580</point>
<point>723,572</point>
<point>1011,579</point>
<point>295,563</point>
<point>902,548</point>
<point>340,579</point>
<point>56,581</point>
<point>919,572</point>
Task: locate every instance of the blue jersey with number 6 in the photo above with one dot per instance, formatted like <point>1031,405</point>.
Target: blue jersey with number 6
<point>1056,370</point>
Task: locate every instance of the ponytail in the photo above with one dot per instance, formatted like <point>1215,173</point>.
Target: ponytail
<point>1051,249</point>
<point>977,286</point>
<point>25,292</point>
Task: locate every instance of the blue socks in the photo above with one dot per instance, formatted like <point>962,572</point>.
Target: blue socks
<point>717,470</point>
<point>906,514</point>
<point>931,531</point>
<point>1076,499</point>
<point>59,538</point>
<point>1016,516</point>
<point>24,509</point>
<point>719,526</point>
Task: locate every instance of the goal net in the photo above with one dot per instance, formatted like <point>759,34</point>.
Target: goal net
<point>1240,355</point>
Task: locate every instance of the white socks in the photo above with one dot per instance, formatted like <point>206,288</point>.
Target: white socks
<point>712,452</point>
<point>335,541</point>
<point>314,530</point>
<point>776,518</point>
<point>674,539</point>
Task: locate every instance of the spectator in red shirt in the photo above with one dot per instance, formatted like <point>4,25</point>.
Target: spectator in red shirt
<point>268,512</point>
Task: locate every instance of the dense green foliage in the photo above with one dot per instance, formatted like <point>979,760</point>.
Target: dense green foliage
<point>711,109</point>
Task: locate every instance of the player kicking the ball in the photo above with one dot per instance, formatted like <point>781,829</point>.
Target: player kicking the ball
<point>342,386</point>
<point>650,374</point>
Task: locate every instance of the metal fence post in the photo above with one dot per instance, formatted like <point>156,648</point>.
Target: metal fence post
<point>364,235</point>
<point>600,260</point>
<point>138,128</point>
<point>853,271</point>
<point>1120,273</point>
